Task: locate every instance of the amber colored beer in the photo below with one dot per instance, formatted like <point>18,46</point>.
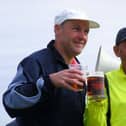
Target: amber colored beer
<point>79,87</point>
<point>95,88</point>
<point>79,67</point>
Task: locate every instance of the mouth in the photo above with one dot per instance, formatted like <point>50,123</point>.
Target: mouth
<point>79,44</point>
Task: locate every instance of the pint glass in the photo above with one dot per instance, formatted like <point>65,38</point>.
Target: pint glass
<point>95,85</point>
<point>84,70</point>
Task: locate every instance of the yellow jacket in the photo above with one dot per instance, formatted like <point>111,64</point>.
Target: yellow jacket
<point>95,114</point>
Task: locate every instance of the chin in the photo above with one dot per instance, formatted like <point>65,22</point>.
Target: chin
<point>77,53</point>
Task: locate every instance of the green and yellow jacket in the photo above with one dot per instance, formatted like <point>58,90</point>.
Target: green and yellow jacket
<point>115,104</point>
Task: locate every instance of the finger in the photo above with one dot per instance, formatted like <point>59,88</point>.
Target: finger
<point>71,87</point>
<point>77,77</point>
<point>75,81</point>
<point>75,71</point>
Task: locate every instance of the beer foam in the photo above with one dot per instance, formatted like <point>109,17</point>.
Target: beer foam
<point>96,74</point>
<point>92,75</point>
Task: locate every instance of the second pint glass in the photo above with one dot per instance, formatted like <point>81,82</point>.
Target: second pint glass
<point>95,85</point>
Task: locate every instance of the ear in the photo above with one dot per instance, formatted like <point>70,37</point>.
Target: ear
<point>57,28</point>
<point>116,50</point>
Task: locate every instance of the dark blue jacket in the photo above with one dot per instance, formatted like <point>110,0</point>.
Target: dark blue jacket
<point>32,98</point>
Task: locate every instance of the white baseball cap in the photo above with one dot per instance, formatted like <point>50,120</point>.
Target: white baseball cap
<point>75,15</point>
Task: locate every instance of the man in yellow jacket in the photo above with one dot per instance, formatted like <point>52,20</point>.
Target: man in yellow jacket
<point>112,110</point>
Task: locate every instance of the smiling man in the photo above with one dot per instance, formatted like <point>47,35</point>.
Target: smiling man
<point>41,92</point>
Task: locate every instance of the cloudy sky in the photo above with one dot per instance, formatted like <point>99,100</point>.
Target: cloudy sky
<point>27,26</point>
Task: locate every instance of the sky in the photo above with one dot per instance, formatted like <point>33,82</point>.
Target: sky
<point>27,26</point>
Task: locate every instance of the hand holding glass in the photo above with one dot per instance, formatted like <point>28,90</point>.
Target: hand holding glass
<point>84,70</point>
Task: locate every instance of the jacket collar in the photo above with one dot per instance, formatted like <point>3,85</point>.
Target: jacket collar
<point>57,55</point>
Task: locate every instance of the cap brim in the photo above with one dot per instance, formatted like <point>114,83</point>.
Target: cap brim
<point>93,24</point>
<point>122,40</point>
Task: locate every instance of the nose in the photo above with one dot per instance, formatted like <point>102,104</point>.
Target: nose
<point>83,35</point>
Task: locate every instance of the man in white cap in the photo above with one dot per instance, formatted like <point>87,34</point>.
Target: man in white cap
<point>42,92</point>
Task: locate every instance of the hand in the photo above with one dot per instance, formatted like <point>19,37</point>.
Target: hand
<point>67,77</point>
<point>97,99</point>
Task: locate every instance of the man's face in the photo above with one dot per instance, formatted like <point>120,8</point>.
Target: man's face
<point>120,50</point>
<point>73,36</point>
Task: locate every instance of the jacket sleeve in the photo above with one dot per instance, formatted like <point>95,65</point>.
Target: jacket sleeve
<point>24,94</point>
<point>95,114</point>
